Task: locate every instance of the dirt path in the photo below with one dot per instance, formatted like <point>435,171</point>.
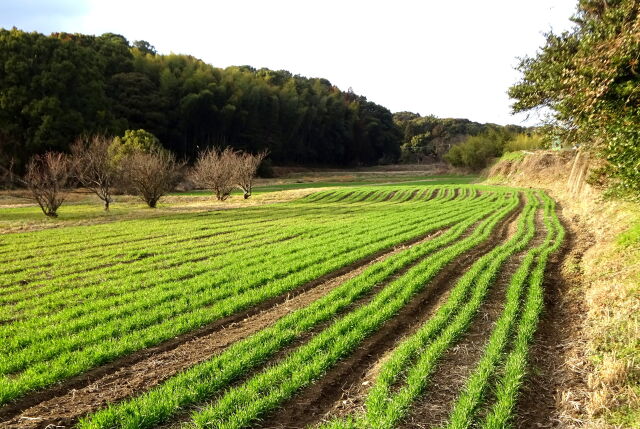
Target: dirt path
<point>340,389</point>
<point>64,404</point>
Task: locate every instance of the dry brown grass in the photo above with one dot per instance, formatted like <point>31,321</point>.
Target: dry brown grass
<point>84,208</point>
<point>605,352</point>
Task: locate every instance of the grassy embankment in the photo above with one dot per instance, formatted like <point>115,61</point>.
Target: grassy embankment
<point>600,386</point>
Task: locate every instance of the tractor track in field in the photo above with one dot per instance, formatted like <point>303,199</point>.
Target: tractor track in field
<point>340,383</point>
<point>64,403</point>
<point>434,406</point>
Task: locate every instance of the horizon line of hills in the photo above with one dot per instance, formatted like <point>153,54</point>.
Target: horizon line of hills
<point>57,87</point>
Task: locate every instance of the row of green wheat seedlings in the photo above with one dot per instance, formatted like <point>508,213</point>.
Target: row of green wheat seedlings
<point>52,241</point>
<point>92,240</point>
<point>53,363</point>
<point>158,251</point>
<point>464,410</point>
<point>49,242</point>
<point>118,298</point>
<point>126,277</point>
<point>92,259</point>
<point>124,288</point>
<point>96,269</point>
<point>388,402</point>
<point>242,405</point>
<point>62,284</point>
<point>136,238</point>
<point>384,410</point>
<point>506,392</point>
<point>307,362</point>
<point>357,194</point>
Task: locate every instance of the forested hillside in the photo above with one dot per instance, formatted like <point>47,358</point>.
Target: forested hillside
<point>53,88</point>
<point>428,138</point>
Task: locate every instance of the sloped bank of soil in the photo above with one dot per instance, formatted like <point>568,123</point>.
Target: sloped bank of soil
<point>583,371</point>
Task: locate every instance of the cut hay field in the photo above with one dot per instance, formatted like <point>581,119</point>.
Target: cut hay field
<point>377,306</point>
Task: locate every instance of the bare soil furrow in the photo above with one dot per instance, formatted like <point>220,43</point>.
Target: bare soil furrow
<point>64,404</point>
<point>339,385</point>
<point>558,335</point>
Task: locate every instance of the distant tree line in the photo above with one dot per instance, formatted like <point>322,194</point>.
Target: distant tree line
<point>428,138</point>
<point>55,88</point>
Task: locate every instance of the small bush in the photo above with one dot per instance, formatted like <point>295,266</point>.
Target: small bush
<point>525,142</point>
<point>133,141</point>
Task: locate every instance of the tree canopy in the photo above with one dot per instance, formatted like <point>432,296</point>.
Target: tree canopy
<point>55,88</point>
<point>589,78</point>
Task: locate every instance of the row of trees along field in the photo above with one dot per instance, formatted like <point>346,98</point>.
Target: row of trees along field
<point>136,164</point>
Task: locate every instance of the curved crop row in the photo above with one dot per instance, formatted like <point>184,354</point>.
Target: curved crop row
<point>389,400</point>
<point>412,362</point>
<point>240,406</point>
<point>201,381</point>
<point>45,355</point>
<point>506,390</point>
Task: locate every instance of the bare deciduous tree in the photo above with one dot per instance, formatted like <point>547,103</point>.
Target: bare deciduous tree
<point>47,177</point>
<point>247,165</point>
<point>150,175</point>
<point>93,166</point>
<point>217,170</point>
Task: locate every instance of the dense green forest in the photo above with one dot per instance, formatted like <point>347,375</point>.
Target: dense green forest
<point>428,139</point>
<point>54,88</point>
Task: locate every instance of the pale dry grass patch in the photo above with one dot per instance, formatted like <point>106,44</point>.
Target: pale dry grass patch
<point>84,209</point>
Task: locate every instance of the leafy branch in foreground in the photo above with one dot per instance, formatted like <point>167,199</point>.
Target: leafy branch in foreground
<point>589,77</point>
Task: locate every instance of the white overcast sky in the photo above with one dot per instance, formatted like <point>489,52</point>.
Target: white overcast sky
<point>452,58</point>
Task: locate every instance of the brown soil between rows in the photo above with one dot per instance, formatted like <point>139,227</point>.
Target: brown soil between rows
<point>559,330</point>
<point>455,366</point>
<point>61,406</point>
<point>452,372</point>
<point>341,384</point>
